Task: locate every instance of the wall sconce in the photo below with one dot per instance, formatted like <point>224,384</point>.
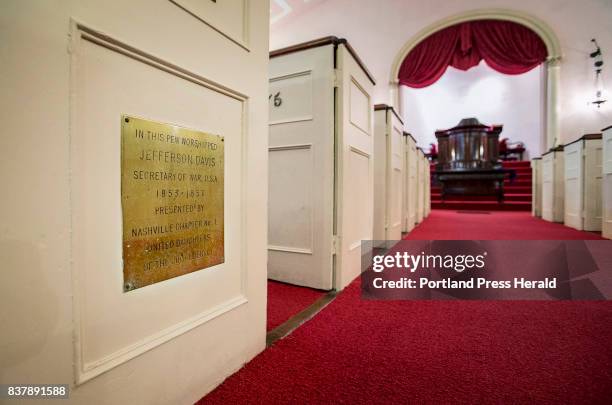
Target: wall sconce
<point>598,65</point>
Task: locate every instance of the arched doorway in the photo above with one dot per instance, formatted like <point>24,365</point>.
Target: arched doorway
<point>551,72</point>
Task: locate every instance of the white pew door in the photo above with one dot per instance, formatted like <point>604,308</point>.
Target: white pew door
<point>301,150</point>
<point>593,171</point>
<point>413,171</point>
<point>420,210</point>
<point>355,180</point>
<point>573,185</point>
<point>395,174</point>
<point>547,187</point>
<point>405,188</point>
<point>607,184</point>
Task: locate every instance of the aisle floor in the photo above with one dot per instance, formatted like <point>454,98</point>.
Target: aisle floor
<point>357,351</point>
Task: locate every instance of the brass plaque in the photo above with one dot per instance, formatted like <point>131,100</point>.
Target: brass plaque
<point>172,200</point>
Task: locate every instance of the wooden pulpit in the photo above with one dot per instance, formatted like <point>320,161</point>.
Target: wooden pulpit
<point>468,160</point>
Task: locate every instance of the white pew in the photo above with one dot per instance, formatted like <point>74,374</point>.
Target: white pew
<point>420,206</point>
<point>410,186</point>
<point>388,173</point>
<point>583,173</point>
<point>321,166</point>
<point>553,185</point>
<point>606,199</point>
<point>536,184</point>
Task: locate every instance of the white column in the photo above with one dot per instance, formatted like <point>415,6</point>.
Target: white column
<point>394,96</point>
<point>553,133</point>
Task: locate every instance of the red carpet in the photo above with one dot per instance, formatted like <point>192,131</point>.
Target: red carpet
<point>286,300</point>
<point>366,352</point>
<point>517,194</point>
<point>485,225</point>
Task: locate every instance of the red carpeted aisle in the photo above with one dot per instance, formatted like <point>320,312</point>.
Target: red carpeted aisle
<point>491,225</point>
<point>357,351</point>
<point>286,300</point>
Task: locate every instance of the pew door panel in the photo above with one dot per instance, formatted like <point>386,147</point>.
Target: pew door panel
<point>355,179</point>
<point>607,184</point>
<point>536,196</point>
<point>301,180</point>
<point>394,181</point>
<point>547,187</point>
<point>593,171</point>
<point>420,206</point>
<point>559,186</point>
<point>413,172</point>
<point>405,188</point>
<point>573,185</point>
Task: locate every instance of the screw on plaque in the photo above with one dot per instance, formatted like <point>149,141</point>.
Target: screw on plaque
<point>128,286</point>
<point>127,119</point>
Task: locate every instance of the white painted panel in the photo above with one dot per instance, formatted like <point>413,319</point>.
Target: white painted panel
<point>360,227</point>
<point>359,107</point>
<point>413,171</point>
<point>420,203</point>
<point>301,144</point>
<point>573,185</point>
<point>395,172</point>
<point>381,162</point>
<point>607,206</point>
<point>355,181</point>
<point>291,199</point>
<point>607,184</point>
<point>536,181</point>
<point>396,142</point>
<point>114,326</point>
<point>559,187</point>
<point>396,203</point>
<point>593,173</point>
<point>290,98</point>
<point>553,186</point>
<point>548,187</point>
<point>228,17</point>
<point>44,267</point>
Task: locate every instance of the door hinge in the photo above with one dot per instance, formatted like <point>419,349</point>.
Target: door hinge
<point>334,244</point>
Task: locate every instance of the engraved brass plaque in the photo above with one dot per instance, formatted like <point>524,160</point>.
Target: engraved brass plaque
<point>172,199</point>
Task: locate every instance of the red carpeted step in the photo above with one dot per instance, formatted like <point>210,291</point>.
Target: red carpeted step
<point>507,197</point>
<point>482,205</point>
<point>517,189</point>
<point>522,175</point>
<point>520,169</point>
<point>517,193</point>
<point>516,164</point>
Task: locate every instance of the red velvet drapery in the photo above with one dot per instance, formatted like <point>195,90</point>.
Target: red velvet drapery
<point>507,47</point>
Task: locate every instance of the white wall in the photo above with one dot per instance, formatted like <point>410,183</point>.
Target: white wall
<point>481,92</point>
<point>378,29</point>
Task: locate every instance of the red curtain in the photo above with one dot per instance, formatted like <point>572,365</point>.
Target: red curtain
<point>505,46</point>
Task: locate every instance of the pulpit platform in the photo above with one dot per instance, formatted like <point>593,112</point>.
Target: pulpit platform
<point>517,194</point>
<point>470,175</point>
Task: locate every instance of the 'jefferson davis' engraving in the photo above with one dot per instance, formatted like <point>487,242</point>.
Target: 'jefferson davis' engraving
<point>172,199</point>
